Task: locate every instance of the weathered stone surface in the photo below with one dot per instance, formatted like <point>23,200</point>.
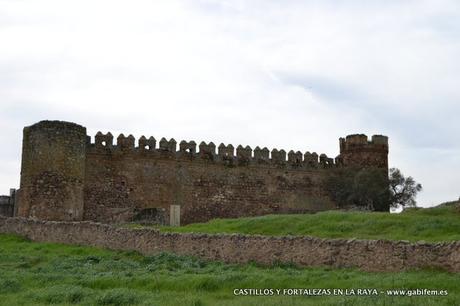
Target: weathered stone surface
<point>6,206</point>
<point>356,150</point>
<point>367,255</point>
<point>53,171</point>
<point>66,177</point>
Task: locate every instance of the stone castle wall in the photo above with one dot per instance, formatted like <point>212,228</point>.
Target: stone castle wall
<point>53,171</point>
<point>368,255</point>
<point>6,206</point>
<point>120,184</point>
<point>66,176</point>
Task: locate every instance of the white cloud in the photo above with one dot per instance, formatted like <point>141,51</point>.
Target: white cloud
<point>290,74</point>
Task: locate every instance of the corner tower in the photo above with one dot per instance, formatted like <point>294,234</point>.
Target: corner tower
<point>52,171</point>
<point>357,151</point>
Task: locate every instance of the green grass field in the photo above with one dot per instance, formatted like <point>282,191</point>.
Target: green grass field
<point>440,223</point>
<point>44,273</point>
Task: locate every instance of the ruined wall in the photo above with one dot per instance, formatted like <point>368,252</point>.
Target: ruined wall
<point>52,171</point>
<point>368,255</point>
<point>123,180</point>
<point>357,151</point>
<point>67,177</point>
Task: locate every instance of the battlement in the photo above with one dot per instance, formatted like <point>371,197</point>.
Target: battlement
<point>226,154</point>
<point>361,142</point>
<point>68,175</point>
<point>243,155</point>
<point>358,151</point>
<point>352,149</point>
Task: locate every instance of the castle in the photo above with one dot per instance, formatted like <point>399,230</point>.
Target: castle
<point>65,176</point>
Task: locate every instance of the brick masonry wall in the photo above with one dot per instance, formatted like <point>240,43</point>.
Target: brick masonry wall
<point>367,255</point>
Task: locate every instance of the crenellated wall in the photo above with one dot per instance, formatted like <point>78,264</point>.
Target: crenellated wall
<point>357,150</point>
<point>126,180</point>
<point>224,154</point>
<point>123,179</point>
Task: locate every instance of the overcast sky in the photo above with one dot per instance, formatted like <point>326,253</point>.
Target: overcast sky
<point>282,74</point>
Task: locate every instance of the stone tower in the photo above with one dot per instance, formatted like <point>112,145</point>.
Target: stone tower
<point>52,171</point>
<point>357,151</point>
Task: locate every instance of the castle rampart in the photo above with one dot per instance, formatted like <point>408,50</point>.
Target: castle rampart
<point>356,150</point>
<point>53,171</point>
<point>66,176</point>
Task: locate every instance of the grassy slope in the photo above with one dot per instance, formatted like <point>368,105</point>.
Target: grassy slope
<point>441,223</point>
<point>42,273</point>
